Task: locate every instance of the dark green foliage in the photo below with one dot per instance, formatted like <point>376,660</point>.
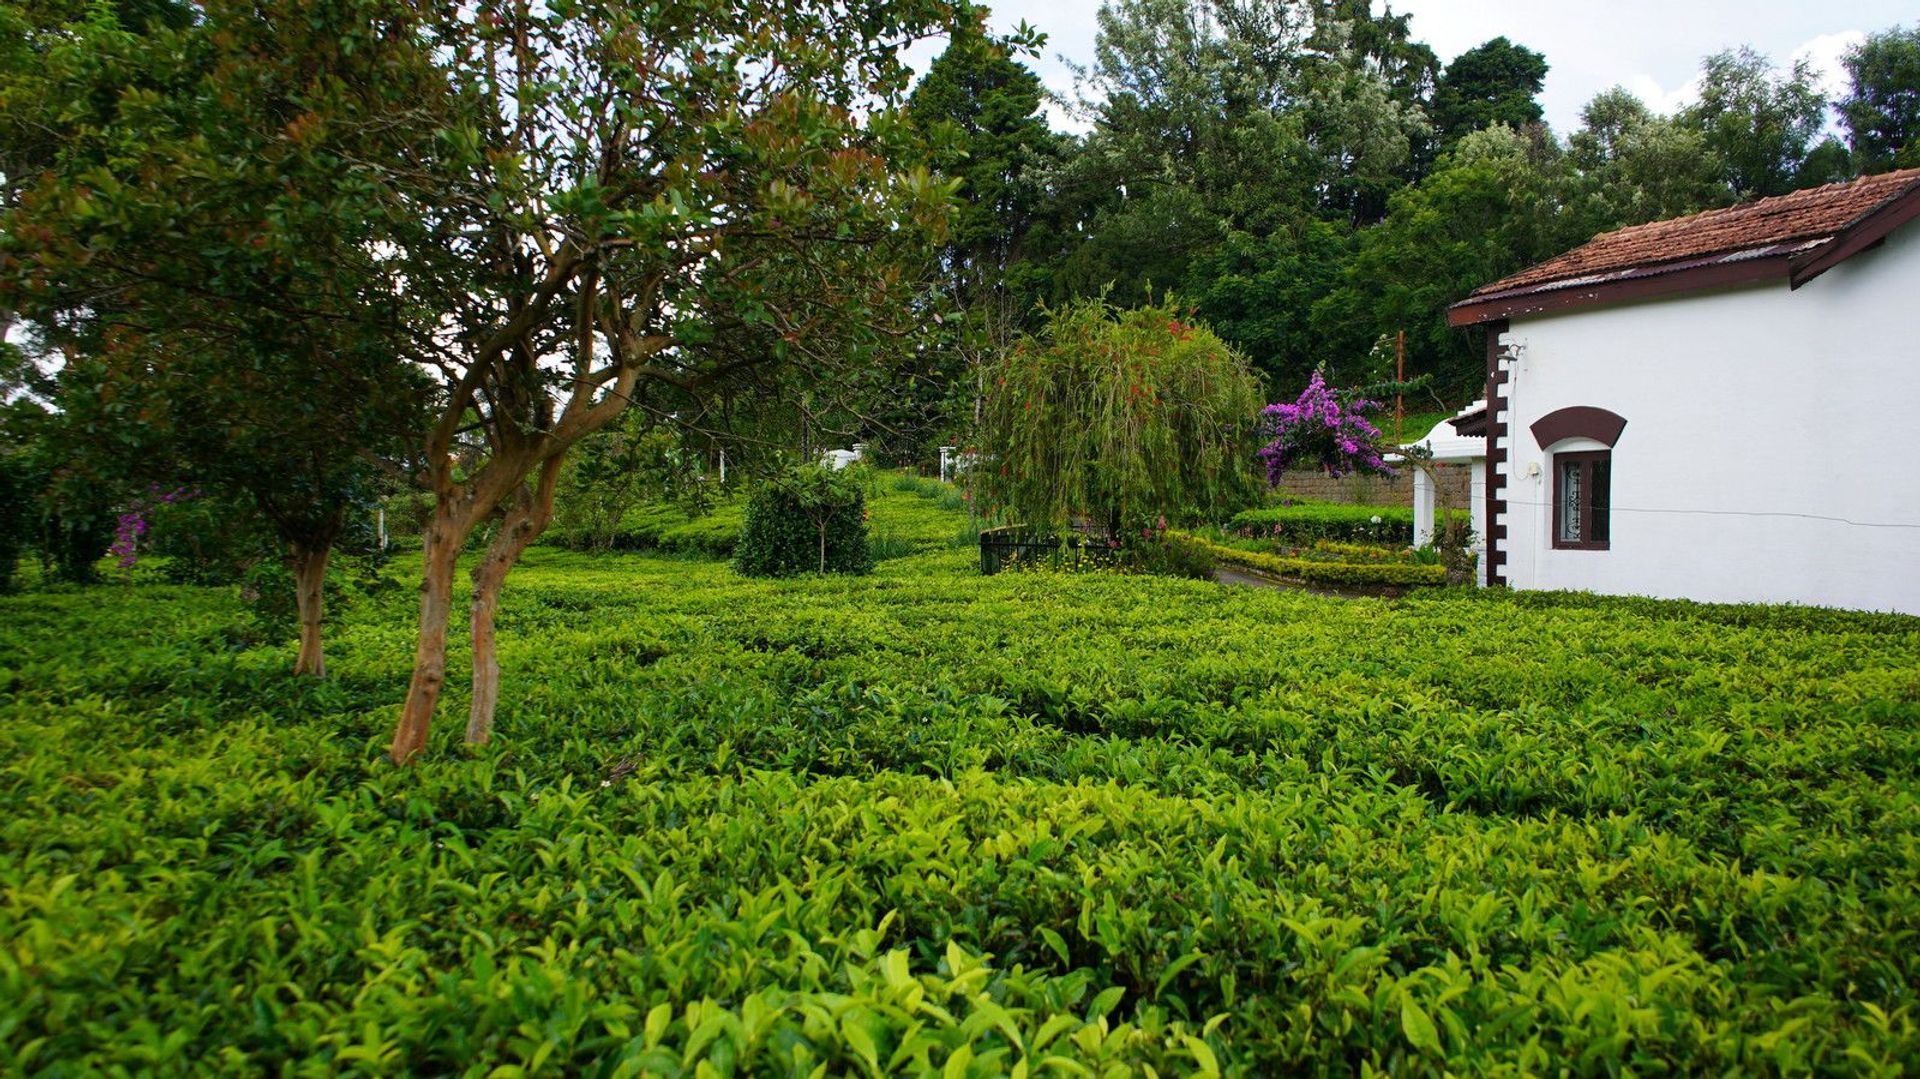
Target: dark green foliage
<point>1494,83</point>
<point>19,507</point>
<point>1257,291</point>
<point>1881,110</point>
<point>1491,207</point>
<point>210,540</point>
<point>981,107</point>
<point>75,533</point>
<point>810,520</point>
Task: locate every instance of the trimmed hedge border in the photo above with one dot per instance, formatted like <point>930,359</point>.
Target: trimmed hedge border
<point>1306,522</point>
<point>1309,571</point>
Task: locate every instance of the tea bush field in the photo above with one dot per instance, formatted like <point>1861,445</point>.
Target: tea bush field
<point>926,822</point>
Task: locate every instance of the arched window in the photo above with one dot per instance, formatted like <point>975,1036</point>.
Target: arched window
<point>1582,474</point>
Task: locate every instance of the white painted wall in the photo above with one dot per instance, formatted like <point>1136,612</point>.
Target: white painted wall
<point>1768,450</point>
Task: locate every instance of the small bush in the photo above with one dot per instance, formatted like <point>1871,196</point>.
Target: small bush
<point>812,520</point>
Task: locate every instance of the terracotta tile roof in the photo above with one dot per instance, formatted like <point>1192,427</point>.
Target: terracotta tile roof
<point>1784,224</point>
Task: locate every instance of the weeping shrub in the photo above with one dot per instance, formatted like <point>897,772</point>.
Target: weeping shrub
<point>1118,417</point>
<point>809,520</point>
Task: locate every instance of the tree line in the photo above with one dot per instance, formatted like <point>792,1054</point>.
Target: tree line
<point>1312,178</point>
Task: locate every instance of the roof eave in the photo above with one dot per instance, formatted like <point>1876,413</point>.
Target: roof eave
<point>1798,261</point>
<point>1870,229</point>
<point>1542,300</point>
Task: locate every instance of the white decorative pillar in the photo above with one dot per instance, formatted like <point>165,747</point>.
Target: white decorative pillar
<point>1422,508</point>
<point>1477,514</point>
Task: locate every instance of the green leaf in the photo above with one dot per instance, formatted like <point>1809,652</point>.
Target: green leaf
<point>1418,1026</point>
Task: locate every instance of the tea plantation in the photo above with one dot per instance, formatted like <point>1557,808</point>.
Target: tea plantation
<point>926,822</point>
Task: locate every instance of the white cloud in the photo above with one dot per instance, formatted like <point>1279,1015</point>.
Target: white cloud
<point>1823,54</point>
<point>1660,99</point>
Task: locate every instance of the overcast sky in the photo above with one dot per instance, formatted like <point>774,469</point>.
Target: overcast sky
<point>1652,47</point>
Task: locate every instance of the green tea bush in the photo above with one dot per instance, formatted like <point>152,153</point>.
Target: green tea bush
<point>1303,523</point>
<point>665,526</point>
<point>928,822</point>
<point>811,520</point>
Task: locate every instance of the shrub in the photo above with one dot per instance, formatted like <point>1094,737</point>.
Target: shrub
<point>1324,432</point>
<point>811,520</point>
<point>614,471</point>
<point>1166,553</point>
<point>1081,823</point>
<point>1303,523</point>
<point>950,824</point>
<point>1371,573</point>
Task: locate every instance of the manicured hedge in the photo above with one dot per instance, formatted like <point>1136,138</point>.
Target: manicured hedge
<point>1371,571</point>
<point>929,822</point>
<point>1304,522</point>
<point>812,520</point>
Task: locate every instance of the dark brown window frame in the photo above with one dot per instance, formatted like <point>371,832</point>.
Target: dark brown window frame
<point>1585,458</point>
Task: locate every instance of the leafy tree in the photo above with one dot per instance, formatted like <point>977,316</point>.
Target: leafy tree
<point>199,253</point>
<point>644,205</point>
<point>1382,43</point>
<point>1143,245</point>
<point>809,519</point>
<point>631,462</point>
<point>1882,108</point>
<point>980,108</point>
<point>1258,294</point>
<point>1117,416</point>
<point>1637,167</point>
<point>1494,83</point>
<point>1606,122</point>
<point>1764,127</point>
<point>1494,204</point>
<point>1200,97</point>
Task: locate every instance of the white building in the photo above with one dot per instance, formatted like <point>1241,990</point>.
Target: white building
<point>1717,407</point>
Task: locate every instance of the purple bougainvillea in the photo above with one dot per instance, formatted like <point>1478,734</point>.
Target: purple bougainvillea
<point>1319,432</point>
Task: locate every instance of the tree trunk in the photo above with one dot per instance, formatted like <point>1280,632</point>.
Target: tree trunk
<point>526,518</point>
<point>309,577</point>
<point>443,540</point>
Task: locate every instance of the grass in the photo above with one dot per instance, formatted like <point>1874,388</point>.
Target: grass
<point>925,821</point>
